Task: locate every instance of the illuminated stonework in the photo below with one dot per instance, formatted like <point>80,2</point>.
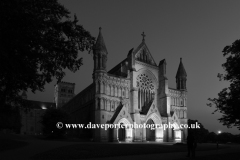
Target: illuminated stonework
<point>144,82</point>
<point>135,91</point>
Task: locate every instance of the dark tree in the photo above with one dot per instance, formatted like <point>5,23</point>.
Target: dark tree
<point>228,99</point>
<point>38,40</point>
<point>199,133</point>
<point>49,120</point>
<point>212,137</point>
<point>225,137</point>
<point>10,119</point>
<point>236,138</point>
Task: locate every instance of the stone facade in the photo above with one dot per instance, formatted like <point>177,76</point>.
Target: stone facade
<point>135,91</point>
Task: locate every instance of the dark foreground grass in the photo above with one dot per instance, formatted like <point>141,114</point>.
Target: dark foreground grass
<point>227,156</point>
<point>8,144</point>
<point>93,150</point>
<point>12,141</point>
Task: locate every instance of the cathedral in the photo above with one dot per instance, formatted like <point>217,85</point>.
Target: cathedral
<point>135,91</point>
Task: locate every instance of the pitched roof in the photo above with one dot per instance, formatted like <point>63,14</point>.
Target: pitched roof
<point>146,108</point>
<point>117,111</point>
<point>181,70</point>
<point>117,70</point>
<point>100,46</point>
<point>38,105</point>
<point>164,114</point>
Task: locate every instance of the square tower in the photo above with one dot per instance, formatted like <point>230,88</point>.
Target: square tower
<point>64,91</point>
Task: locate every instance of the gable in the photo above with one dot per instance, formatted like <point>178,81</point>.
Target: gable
<point>143,54</point>
<point>149,109</point>
<point>121,112</point>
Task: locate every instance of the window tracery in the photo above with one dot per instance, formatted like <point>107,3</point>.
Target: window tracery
<point>144,82</point>
<point>146,90</point>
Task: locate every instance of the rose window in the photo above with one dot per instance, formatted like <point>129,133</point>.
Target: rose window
<point>144,82</point>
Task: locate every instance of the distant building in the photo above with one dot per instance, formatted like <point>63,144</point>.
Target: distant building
<point>31,115</point>
<point>135,91</point>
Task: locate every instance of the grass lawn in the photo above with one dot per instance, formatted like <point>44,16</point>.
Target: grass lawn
<point>7,144</point>
<point>96,150</point>
<point>228,156</point>
<point>10,141</point>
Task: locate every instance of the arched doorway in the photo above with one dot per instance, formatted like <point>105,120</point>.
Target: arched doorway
<point>122,132</point>
<point>177,133</point>
<point>157,133</point>
<point>150,130</point>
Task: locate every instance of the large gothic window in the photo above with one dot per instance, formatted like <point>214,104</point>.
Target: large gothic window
<point>144,82</point>
<point>145,90</point>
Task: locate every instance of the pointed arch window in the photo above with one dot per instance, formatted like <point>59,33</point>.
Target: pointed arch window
<point>146,90</point>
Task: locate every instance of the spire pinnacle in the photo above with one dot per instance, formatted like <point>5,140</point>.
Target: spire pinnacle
<point>100,46</point>
<point>181,70</point>
<point>143,35</point>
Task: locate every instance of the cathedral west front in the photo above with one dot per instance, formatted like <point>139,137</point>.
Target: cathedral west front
<point>135,91</point>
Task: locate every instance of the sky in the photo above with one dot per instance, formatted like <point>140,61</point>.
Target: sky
<point>195,30</point>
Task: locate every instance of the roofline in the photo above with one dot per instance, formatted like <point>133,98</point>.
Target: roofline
<point>116,66</point>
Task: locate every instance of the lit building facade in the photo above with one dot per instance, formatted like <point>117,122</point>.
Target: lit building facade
<point>135,91</point>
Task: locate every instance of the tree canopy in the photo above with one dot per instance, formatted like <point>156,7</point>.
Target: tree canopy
<point>38,40</point>
<point>228,100</point>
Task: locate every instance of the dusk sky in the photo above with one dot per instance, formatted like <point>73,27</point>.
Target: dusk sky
<point>197,31</point>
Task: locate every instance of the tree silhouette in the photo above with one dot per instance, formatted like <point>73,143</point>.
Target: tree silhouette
<point>38,40</point>
<point>199,133</point>
<point>228,99</point>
